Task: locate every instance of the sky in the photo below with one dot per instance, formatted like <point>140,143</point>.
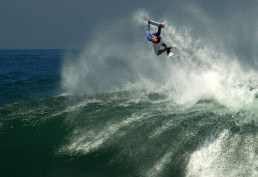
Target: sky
<point>55,24</point>
<point>69,24</point>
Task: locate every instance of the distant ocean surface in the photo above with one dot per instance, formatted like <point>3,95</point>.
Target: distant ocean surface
<point>122,133</point>
<point>29,74</point>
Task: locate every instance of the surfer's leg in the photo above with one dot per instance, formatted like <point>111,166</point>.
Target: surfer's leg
<point>161,51</point>
<point>166,48</point>
<point>164,45</point>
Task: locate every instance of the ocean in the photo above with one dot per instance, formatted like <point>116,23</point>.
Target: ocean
<point>119,114</point>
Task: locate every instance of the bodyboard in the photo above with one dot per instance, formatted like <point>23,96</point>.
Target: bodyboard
<point>154,23</point>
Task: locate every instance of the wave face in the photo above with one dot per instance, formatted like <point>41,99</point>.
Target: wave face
<point>116,109</point>
<point>126,133</point>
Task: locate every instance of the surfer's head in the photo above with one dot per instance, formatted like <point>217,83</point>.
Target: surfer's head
<point>154,39</point>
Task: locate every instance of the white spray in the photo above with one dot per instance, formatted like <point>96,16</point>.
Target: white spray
<point>120,56</point>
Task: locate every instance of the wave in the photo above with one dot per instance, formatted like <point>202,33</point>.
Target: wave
<point>198,71</point>
<point>143,133</point>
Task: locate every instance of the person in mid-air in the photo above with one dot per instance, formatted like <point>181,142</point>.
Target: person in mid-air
<point>158,43</point>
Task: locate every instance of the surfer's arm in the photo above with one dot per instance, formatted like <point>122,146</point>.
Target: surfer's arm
<point>159,31</point>
<point>148,35</point>
<point>148,28</point>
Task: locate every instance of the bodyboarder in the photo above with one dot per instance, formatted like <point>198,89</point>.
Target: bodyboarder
<point>158,44</point>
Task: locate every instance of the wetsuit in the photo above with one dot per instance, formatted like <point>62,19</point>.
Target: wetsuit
<point>160,46</point>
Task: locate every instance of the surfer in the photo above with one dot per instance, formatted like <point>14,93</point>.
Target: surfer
<point>158,44</point>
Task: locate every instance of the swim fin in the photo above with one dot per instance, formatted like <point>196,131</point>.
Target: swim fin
<point>170,54</point>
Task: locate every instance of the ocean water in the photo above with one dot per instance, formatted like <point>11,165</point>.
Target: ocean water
<point>29,74</point>
<point>86,113</point>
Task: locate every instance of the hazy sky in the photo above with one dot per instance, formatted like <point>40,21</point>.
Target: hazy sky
<point>69,23</point>
<point>60,23</point>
